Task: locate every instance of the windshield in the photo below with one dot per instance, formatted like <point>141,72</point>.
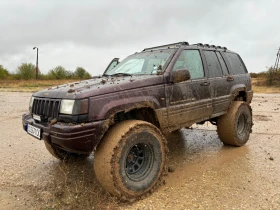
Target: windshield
<point>142,63</point>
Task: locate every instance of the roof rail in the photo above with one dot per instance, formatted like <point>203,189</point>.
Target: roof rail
<point>167,46</point>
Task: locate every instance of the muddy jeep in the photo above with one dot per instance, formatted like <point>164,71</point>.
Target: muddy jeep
<point>123,115</point>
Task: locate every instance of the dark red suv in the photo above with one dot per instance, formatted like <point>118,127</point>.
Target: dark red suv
<point>123,115</point>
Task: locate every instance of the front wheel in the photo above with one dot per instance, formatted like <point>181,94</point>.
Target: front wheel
<point>130,159</point>
<point>235,126</point>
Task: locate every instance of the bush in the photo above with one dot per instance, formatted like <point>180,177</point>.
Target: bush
<point>26,71</point>
<point>81,73</point>
<point>59,72</point>
<point>4,74</point>
<point>258,75</point>
<point>273,77</point>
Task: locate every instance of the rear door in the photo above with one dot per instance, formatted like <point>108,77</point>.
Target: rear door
<point>239,74</point>
<point>219,78</point>
<point>189,101</point>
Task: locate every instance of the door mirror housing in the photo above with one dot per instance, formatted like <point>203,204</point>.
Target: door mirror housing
<point>181,75</point>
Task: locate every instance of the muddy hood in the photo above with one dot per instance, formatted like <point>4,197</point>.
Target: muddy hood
<point>99,86</point>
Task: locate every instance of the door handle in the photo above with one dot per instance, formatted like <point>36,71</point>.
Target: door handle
<point>230,78</point>
<point>205,83</point>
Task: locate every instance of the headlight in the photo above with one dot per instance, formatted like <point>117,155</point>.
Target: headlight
<point>66,106</point>
<point>31,103</point>
<point>74,107</point>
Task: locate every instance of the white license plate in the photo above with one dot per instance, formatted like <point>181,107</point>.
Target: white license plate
<point>32,130</point>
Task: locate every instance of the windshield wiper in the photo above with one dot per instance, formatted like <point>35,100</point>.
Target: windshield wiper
<point>121,74</point>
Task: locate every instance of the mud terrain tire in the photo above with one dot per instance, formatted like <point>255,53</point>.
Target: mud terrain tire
<point>234,128</point>
<point>129,161</point>
<point>64,155</point>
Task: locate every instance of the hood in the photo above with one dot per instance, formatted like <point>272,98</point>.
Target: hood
<point>99,86</point>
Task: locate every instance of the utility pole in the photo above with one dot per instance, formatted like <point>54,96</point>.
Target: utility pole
<point>277,60</point>
<point>37,67</point>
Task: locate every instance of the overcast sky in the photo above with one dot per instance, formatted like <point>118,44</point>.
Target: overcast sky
<point>89,33</point>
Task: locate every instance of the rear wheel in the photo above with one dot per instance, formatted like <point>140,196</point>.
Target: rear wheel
<point>130,159</point>
<point>64,155</point>
<point>234,128</point>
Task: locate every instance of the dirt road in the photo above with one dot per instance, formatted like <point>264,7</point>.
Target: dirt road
<point>204,174</point>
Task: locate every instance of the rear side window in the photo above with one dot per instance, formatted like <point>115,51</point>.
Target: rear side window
<point>213,64</point>
<point>191,60</point>
<point>235,62</point>
<point>223,64</point>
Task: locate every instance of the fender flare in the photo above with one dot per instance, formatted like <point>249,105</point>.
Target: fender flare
<point>113,107</point>
<point>234,91</point>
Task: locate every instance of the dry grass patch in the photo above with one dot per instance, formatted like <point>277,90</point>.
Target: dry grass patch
<point>259,86</point>
<point>30,85</point>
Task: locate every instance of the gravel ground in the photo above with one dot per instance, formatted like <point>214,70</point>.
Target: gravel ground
<point>204,174</point>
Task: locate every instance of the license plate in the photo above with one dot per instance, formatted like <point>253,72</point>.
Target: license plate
<point>32,130</point>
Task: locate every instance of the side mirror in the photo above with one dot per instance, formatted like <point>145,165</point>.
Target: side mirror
<point>180,75</point>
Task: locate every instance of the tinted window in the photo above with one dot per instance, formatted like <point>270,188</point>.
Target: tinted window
<point>213,64</point>
<point>236,63</point>
<point>223,64</point>
<point>191,60</point>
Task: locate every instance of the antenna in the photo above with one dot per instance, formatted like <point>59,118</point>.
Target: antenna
<point>277,60</point>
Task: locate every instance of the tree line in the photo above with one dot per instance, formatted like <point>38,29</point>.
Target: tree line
<point>27,71</point>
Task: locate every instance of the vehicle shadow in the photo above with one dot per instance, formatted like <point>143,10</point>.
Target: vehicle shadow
<point>73,184</point>
<point>189,145</point>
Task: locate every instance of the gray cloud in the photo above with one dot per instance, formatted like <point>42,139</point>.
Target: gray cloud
<point>89,33</point>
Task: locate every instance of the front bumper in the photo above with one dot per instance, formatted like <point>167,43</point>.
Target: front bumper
<point>78,138</point>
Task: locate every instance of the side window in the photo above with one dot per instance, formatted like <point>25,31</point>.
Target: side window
<point>213,64</point>
<point>235,62</point>
<point>223,64</point>
<point>191,60</point>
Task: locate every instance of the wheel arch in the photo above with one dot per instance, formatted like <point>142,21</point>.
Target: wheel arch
<point>239,93</point>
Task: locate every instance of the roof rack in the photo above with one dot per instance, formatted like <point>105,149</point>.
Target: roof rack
<point>211,46</point>
<point>167,46</point>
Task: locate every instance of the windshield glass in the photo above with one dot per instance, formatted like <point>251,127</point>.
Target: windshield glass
<point>142,63</point>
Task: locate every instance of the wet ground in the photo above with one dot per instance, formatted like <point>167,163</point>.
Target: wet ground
<point>204,174</point>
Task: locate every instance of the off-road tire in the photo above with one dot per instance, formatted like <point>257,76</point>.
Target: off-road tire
<point>64,155</point>
<point>235,126</point>
<point>130,159</point>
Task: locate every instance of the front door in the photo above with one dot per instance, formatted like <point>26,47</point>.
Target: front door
<point>189,101</point>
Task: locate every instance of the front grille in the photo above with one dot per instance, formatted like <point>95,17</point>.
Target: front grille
<point>46,108</point>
